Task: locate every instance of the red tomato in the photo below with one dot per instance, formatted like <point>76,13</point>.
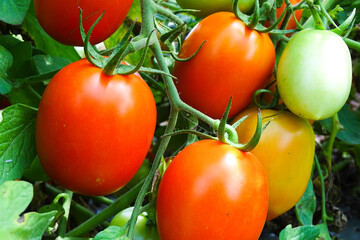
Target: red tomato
<point>235,61</point>
<point>286,150</point>
<point>60,19</point>
<point>93,130</point>
<point>212,191</point>
<point>291,24</point>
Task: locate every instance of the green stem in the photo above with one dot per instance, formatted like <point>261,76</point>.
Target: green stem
<point>163,144</point>
<point>323,201</point>
<point>76,209</point>
<point>327,4</point>
<point>352,44</point>
<point>318,21</point>
<point>65,217</point>
<point>102,199</point>
<point>119,204</point>
<point>329,147</point>
<point>160,152</point>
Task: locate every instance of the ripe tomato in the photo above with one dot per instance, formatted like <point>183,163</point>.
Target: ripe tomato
<point>143,230</point>
<point>212,191</point>
<point>61,19</point>
<point>291,24</point>
<point>235,61</point>
<point>314,74</point>
<point>93,130</point>
<point>286,150</point>
<point>208,7</point>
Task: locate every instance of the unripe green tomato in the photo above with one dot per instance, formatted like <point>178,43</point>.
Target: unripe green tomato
<point>208,7</point>
<point>314,74</point>
<point>143,231</point>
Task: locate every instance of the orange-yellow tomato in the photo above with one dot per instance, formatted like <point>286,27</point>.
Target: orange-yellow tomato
<point>286,149</point>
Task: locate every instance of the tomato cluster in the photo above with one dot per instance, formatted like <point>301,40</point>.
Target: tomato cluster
<point>94,130</point>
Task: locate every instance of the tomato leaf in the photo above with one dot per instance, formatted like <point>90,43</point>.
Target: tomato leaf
<point>44,42</point>
<point>13,11</point>
<point>350,122</point>
<point>17,141</point>
<point>324,232</point>
<point>299,233</point>
<point>6,60</point>
<point>15,197</point>
<point>305,208</point>
<point>112,232</point>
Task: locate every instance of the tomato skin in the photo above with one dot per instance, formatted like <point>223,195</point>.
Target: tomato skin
<point>212,191</point>
<point>225,66</point>
<point>93,130</point>
<point>314,74</point>
<point>143,231</point>
<point>208,7</point>
<point>61,21</point>
<point>286,150</point>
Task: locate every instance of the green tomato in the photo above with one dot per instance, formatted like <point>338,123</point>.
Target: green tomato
<point>314,74</point>
<point>208,7</point>
<point>143,230</point>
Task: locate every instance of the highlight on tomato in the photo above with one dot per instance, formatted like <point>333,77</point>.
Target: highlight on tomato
<point>235,61</point>
<point>286,149</point>
<point>207,7</point>
<point>222,191</point>
<point>61,19</point>
<point>314,74</point>
<point>93,131</point>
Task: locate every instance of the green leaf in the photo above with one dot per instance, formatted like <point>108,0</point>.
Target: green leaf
<point>324,232</point>
<point>299,233</point>
<point>21,67</point>
<point>44,42</point>
<point>17,141</point>
<point>24,95</point>
<point>305,208</point>
<point>35,172</point>
<point>6,60</point>
<point>5,87</point>
<point>351,125</point>
<point>112,233</point>
<point>13,11</point>
<point>15,197</point>
<point>46,64</point>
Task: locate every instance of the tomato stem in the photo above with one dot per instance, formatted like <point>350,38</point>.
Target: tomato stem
<point>322,185</point>
<point>65,217</point>
<point>352,44</point>
<point>314,12</point>
<point>119,204</point>
<point>335,128</point>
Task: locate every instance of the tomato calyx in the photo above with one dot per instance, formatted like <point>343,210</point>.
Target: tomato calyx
<point>113,65</point>
<point>252,21</point>
<point>227,133</point>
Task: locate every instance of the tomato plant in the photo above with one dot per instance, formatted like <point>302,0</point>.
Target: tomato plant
<point>61,21</point>
<point>209,7</point>
<point>287,165</point>
<point>216,185</point>
<point>93,130</point>
<point>143,230</point>
<point>224,66</point>
<point>314,74</point>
